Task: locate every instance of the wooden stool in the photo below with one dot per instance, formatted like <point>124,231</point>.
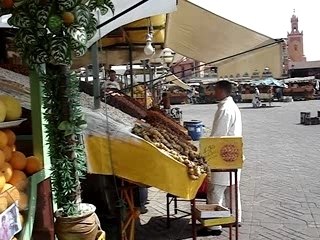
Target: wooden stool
<point>230,224</point>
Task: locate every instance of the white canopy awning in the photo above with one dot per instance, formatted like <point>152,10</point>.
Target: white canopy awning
<point>130,11</point>
<point>204,36</point>
<point>299,79</point>
<point>125,12</point>
<point>175,80</point>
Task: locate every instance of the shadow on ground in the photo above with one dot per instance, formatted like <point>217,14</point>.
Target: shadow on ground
<point>180,229</point>
<point>259,107</point>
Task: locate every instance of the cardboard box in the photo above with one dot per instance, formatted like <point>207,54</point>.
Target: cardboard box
<point>222,152</point>
<point>211,211</point>
<point>217,221</point>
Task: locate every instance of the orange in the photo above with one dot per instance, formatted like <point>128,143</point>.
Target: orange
<point>3,139</point>
<point>2,158</point>
<point>7,171</point>
<point>7,4</point>
<point>11,137</point>
<point>2,181</point>
<point>19,179</point>
<point>68,18</point>
<point>43,2</point>
<point>11,193</point>
<point>34,165</point>
<point>21,218</point>
<point>3,203</point>
<point>23,201</point>
<point>7,153</point>
<point>18,160</point>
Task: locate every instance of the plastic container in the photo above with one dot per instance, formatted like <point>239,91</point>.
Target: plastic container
<point>303,116</point>
<point>195,129</point>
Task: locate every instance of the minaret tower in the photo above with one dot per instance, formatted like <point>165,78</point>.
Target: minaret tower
<point>295,41</point>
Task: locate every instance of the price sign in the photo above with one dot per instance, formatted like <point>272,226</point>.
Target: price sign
<point>222,152</point>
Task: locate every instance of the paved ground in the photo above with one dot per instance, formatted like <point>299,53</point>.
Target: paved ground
<point>280,187</point>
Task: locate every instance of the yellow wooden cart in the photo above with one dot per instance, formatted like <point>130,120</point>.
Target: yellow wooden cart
<point>136,160</point>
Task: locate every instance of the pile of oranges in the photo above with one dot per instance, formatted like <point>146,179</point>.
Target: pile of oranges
<point>15,168</point>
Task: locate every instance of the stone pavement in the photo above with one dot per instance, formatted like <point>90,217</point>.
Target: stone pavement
<point>280,185</point>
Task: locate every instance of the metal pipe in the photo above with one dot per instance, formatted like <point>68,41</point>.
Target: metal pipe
<point>231,203</point>
<point>131,70</point>
<point>95,73</point>
<point>237,203</point>
<point>277,41</point>
<point>122,13</point>
<point>145,82</point>
<point>151,85</point>
<point>87,74</point>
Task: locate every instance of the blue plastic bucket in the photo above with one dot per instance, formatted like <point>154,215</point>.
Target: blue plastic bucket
<point>195,129</point>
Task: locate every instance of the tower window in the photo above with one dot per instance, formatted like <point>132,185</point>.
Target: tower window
<point>295,47</point>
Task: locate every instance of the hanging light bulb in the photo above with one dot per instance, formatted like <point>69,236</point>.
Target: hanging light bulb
<point>148,49</point>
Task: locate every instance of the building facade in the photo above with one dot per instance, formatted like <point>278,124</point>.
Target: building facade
<point>255,63</point>
<point>282,60</point>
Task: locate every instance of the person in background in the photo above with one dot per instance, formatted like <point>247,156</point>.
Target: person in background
<point>227,122</point>
<point>270,95</point>
<point>256,92</point>
<point>256,98</point>
<point>165,101</point>
<point>112,82</point>
<point>279,94</point>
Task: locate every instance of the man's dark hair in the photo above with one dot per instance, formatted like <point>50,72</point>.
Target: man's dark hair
<point>112,71</point>
<point>225,85</point>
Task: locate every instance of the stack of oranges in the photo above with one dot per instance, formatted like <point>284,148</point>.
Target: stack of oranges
<point>15,167</point>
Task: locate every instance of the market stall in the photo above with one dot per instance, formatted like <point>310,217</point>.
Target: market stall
<point>300,88</point>
<point>122,117</point>
<point>118,143</point>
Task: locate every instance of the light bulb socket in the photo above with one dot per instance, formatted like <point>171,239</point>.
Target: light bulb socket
<point>149,37</point>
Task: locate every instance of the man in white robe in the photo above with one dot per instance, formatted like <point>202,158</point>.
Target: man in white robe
<point>227,122</point>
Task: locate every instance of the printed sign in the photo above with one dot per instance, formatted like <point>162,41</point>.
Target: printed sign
<point>222,152</point>
<point>10,223</point>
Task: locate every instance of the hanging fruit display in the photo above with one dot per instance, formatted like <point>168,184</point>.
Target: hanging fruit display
<point>68,18</point>
<point>72,19</point>
<point>50,33</point>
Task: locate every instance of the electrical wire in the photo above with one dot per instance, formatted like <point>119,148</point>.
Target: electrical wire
<point>120,200</point>
<point>276,41</point>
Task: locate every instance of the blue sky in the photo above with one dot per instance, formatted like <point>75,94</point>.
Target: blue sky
<point>272,18</point>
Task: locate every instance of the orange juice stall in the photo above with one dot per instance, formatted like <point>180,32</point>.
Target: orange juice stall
<point>141,146</point>
<point>135,144</point>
